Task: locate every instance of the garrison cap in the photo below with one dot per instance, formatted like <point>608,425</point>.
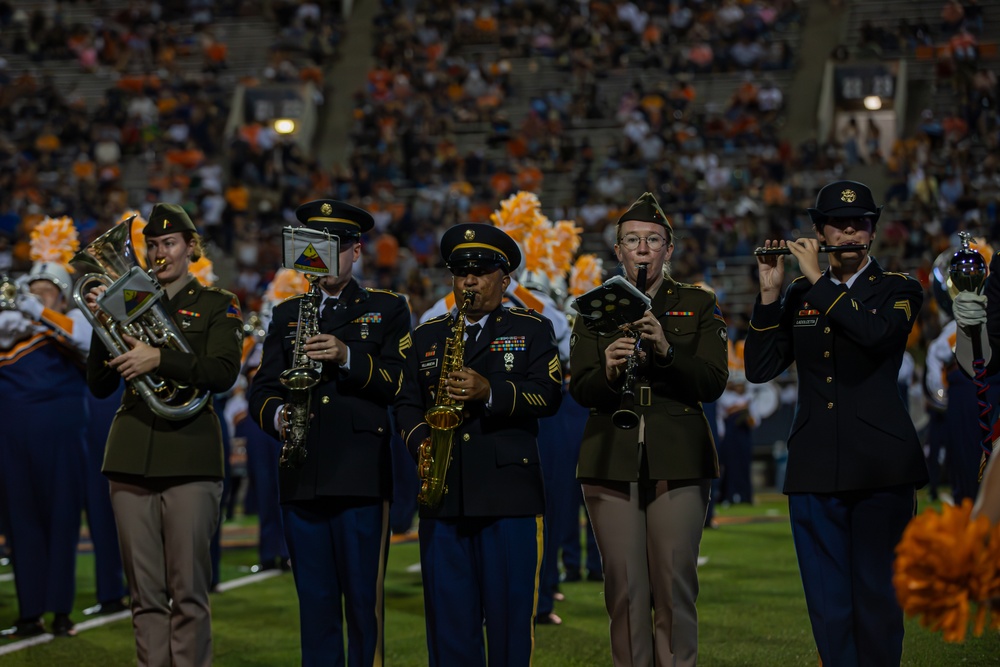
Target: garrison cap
<point>336,218</point>
<point>168,219</point>
<point>647,209</point>
<point>844,199</point>
<point>472,245</point>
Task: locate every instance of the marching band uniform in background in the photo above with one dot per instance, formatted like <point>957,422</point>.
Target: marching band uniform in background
<point>481,549</point>
<point>42,443</point>
<point>854,460</point>
<point>108,570</point>
<point>166,476</point>
<point>336,506</point>
<point>647,489</point>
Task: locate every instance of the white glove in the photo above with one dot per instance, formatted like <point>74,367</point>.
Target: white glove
<point>14,326</point>
<point>969,309</point>
<point>30,305</point>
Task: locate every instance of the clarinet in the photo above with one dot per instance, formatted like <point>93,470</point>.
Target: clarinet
<point>626,417</point>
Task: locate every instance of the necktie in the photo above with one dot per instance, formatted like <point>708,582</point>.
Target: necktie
<point>329,306</point>
<point>472,332</point>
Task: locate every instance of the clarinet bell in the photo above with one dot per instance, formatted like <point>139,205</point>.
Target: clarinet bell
<point>625,419</point>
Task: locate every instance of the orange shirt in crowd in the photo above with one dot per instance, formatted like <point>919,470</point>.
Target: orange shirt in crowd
<point>386,251</point>
<point>238,197</point>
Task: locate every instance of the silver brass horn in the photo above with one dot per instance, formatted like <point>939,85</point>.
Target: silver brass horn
<point>132,306</point>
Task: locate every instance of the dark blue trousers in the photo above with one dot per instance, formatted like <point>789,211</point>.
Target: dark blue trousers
<point>557,470</point>
<point>845,545</point>
<point>339,549</point>
<point>478,570</point>
<point>42,454</point>
<point>574,419</point>
<point>263,453</point>
<point>110,577</point>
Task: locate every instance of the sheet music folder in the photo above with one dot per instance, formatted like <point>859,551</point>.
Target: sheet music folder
<point>611,305</point>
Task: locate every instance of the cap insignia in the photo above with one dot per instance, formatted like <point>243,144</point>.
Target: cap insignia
<point>166,224</point>
<point>848,196</point>
<point>469,234</point>
<point>326,209</point>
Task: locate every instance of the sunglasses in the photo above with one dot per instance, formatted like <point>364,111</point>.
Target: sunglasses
<point>478,271</point>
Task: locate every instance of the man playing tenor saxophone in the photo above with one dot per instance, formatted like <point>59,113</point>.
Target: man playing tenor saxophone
<point>481,531</point>
<point>335,495</point>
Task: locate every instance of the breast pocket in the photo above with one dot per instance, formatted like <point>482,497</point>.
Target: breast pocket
<point>681,331</point>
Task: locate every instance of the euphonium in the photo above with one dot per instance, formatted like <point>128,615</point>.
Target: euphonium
<point>113,260</point>
<point>626,417</point>
<point>299,380</point>
<point>444,417</point>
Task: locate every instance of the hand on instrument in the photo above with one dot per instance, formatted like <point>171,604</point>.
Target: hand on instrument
<point>616,357</point>
<point>806,250</point>
<point>141,359</point>
<point>468,385</point>
<point>91,298</point>
<point>969,309</point>
<point>326,348</point>
<point>771,270</point>
<point>651,332</point>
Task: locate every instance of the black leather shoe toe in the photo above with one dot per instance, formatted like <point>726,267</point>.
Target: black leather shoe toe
<point>24,629</point>
<point>62,626</point>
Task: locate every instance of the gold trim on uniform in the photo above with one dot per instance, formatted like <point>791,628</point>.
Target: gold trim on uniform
<point>555,369</point>
<point>904,306</point>
<point>405,343</point>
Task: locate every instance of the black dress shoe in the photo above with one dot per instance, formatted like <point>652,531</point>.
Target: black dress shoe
<point>105,608</point>
<point>286,564</point>
<point>548,619</point>
<point>24,629</point>
<point>62,626</point>
<point>571,575</point>
<point>265,566</point>
<point>595,576</point>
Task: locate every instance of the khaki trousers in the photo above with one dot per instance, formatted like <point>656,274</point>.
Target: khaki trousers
<point>648,535</point>
<point>165,536</point>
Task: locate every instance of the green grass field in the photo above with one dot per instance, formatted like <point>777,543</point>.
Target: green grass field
<point>751,608</point>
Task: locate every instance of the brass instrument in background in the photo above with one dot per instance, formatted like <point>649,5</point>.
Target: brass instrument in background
<point>112,259</point>
<point>8,293</point>
<point>434,454</point>
<point>626,417</point>
<point>299,380</point>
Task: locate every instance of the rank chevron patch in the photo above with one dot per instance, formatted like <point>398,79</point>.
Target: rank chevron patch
<point>904,306</point>
<point>555,370</point>
<point>405,343</point>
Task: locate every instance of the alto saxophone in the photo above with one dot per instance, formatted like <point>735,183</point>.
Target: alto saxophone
<point>434,454</point>
<point>299,380</point>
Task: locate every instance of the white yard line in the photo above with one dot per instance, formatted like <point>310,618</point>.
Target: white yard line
<point>98,621</point>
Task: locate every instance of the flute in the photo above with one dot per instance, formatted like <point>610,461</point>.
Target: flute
<point>778,250</point>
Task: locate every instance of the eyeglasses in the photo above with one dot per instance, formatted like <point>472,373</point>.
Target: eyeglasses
<point>653,241</point>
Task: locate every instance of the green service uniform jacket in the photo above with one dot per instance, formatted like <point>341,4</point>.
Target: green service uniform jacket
<point>668,394</point>
<point>144,444</point>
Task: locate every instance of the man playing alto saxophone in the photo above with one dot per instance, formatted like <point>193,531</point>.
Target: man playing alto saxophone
<point>335,504</point>
<point>480,547</point>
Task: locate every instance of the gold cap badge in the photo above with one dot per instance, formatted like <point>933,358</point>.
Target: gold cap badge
<point>326,209</point>
<point>848,196</point>
<point>469,234</point>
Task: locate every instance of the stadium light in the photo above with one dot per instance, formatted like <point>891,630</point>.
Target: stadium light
<point>873,102</point>
<point>284,126</point>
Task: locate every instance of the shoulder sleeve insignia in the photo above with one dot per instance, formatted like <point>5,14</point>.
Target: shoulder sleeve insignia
<point>234,309</point>
<point>405,343</point>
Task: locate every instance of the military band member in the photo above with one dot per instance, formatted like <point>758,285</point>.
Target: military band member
<point>854,459</point>
<point>336,505</point>
<point>42,348</point>
<point>166,475</point>
<point>647,488</point>
<point>481,548</point>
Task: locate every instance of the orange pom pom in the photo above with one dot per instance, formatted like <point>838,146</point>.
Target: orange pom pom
<point>54,240</point>
<point>286,283</point>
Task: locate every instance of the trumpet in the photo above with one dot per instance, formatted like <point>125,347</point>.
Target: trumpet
<point>626,417</point>
<point>777,250</point>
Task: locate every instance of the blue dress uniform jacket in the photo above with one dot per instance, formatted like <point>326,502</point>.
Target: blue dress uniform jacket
<point>851,430</point>
<point>668,396</point>
<point>144,444</point>
<point>495,468</point>
<point>348,439</point>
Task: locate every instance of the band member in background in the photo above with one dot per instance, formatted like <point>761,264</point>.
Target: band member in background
<point>166,475</point>
<point>42,348</point>
<point>336,505</point>
<point>647,488</point>
<point>854,459</point>
<point>481,548</point>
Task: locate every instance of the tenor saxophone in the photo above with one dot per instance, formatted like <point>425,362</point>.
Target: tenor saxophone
<point>434,454</point>
<point>299,380</point>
